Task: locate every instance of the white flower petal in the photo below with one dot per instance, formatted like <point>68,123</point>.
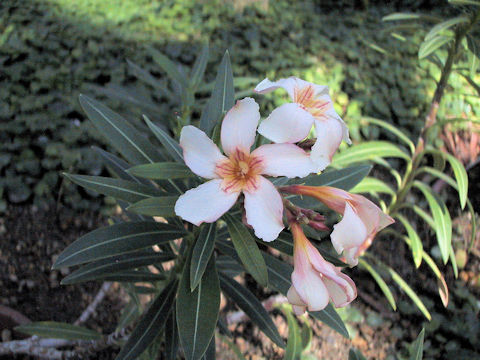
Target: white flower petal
<point>293,297</point>
<point>199,152</point>
<point>332,114</point>
<point>329,136</point>
<point>310,287</point>
<point>284,160</point>
<point>239,126</point>
<point>205,203</point>
<point>289,84</point>
<point>341,296</point>
<point>288,123</point>
<point>349,233</point>
<point>264,210</point>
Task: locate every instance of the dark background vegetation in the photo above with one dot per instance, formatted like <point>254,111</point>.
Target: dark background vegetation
<point>53,50</point>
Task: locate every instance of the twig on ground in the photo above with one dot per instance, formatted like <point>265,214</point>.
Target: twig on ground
<point>93,305</point>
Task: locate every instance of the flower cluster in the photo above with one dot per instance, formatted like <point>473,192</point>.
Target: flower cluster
<point>243,171</point>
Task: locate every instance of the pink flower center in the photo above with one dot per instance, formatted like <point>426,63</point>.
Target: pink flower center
<point>306,98</point>
<point>240,171</point>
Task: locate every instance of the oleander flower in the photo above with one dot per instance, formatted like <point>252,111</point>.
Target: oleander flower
<point>315,281</point>
<point>240,172</point>
<point>292,122</point>
<point>361,221</point>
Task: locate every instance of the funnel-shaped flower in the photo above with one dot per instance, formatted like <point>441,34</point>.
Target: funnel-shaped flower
<point>361,221</point>
<point>314,280</point>
<point>239,172</point>
<point>292,122</point>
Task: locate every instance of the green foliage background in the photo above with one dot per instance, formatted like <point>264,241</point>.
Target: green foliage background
<point>52,50</point>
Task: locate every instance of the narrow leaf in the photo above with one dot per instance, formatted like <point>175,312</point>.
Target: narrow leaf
<point>169,67</point>
<point>134,276</point>
<point>222,98</point>
<point>202,252</point>
<point>155,206</point>
<point>58,330</point>
<point>344,179</point>
<point>199,67</point>
<point>109,266</point>
<point>418,346</point>
<point>171,335</point>
<point>197,310</point>
<point>441,217</point>
<point>166,140</point>
<point>123,136</point>
<point>247,250</point>
<point>415,242</point>
<point>355,354</point>
<point>392,129</point>
<point>252,307</point>
<point>161,171</point>
<point>429,46</point>
<point>438,28</point>
<point>117,239</point>
<point>380,282</point>
<point>294,341</point>
<point>151,324</point>
<point>148,78</point>
<point>119,189</point>
<point>368,151</point>
<point>371,184</point>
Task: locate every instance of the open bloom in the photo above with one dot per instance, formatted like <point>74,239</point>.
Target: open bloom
<point>240,172</point>
<point>361,221</point>
<point>290,123</point>
<point>314,280</point>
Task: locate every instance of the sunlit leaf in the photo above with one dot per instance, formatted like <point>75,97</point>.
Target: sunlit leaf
<point>294,341</point>
<point>415,241</point>
<point>380,282</point>
<point>368,151</point>
<point>429,46</point>
<point>155,206</point>
<point>418,346</point>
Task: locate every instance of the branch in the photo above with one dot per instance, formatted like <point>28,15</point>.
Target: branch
<point>93,305</point>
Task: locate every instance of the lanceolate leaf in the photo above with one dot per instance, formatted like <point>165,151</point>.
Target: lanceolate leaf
<point>368,151</point>
<point>252,307</point>
<point>418,346</point>
<point>392,129</point>
<point>279,273</point>
<point>119,189</point>
<point>155,206</point>
<point>371,184</point>
<point>123,136</point>
<point>169,67</point>
<point>247,250</point>
<point>355,354</point>
<point>330,317</point>
<point>160,171</point>
<point>116,240</point>
<point>222,99</point>
<point>202,252</point>
<point>58,330</point>
<point>171,336</point>
<point>441,217</point>
<point>430,45</point>
<point>199,67</point>
<point>170,144</point>
<point>148,78</point>
<point>134,276</point>
<point>415,242</point>
<point>437,29</point>
<point>109,266</point>
<point>343,179</point>
<point>197,310</point>
<point>294,341</point>
<point>150,325</point>
<point>380,282</point>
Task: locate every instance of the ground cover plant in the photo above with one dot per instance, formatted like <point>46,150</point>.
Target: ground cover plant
<point>231,246</point>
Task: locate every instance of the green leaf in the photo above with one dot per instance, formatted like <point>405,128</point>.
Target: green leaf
<point>252,307</point>
<point>330,317</point>
<point>460,174</point>
<point>392,129</point>
<point>123,136</point>
<point>371,184</point>
<point>279,273</point>
<point>355,354</point>
<point>415,242</point>
<point>368,151</point>
<point>117,239</point>
<point>380,282</point>
<point>119,189</point>
<point>169,67</point>
<point>197,310</point>
<point>344,179</point>
<point>151,324</point>
<point>229,266</point>
<point>441,217</point>
<point>155,206</point>
<point>170,144</point>
<point>222,98</point>
<point>408,290</point>
<point>160,171</point>
<point>147,77</point>
<point>294,341</point>
<point>429,46</point>
<point>438,28</point>
<point>134,276</point>
<point>247,250</point>
<point>401,16</point>
<point>112,265</point>
<point>199,68</point>
<point>58,330</point>
<point>202,252</point>
<point>171,335</point>
<point>418,346</point>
